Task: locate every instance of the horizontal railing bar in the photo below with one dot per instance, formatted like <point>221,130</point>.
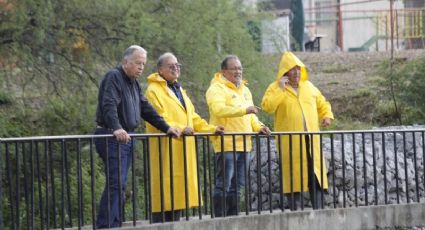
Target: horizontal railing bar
<point>68,137</point>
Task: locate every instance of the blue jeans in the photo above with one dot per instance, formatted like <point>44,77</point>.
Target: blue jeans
<point>229,178</point>
<point>109,154</point>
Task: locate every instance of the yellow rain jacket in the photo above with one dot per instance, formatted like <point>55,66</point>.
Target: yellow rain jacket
<point>291,112</point>
<point>168,106</point>
<point>227,106</point>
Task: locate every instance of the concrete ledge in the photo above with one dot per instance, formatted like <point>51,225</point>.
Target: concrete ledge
<point>371,217</point>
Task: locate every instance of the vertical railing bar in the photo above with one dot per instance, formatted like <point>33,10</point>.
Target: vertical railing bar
<point>333,169</point>
<point>198,178</point>
<point>40,194</point>
<point>313,182</point>
<point>161,180</point>
<point>322,205</point>
<point>27,205</point>
<point>148,183</point>
<point>205,172</point>
<point>1,185</point>
<point>247,179</point>
<point>133,182</point>
<point>32,182</point>
<point>423,155</point>
<point>52,176</point>
<point>384,154</point>
<point>375,183</point>
<point>79,185</point>
<point>406,179</point>
<point>280,147</point>
<point>396,167</point>
<point>17,195</point>
<point>223,164</point>
<point>68,190</point>
<point>186,192</point>
<point>291,174</point>
<point>120,195</point>
<point>364,169</point>
<point>415,167</point>
<point>62,184</point>
<point>302,170</point>
<point>210,176</point>
<point>343,170</point>
<point>170,153</point>
<point>9,178</point>
<point>260,200</point>
<point>235,165</point>
<point>269,174</point>
<point>46,165</point>
<point>92,185</point>
<point>355,170</point>
<point>108,190</point>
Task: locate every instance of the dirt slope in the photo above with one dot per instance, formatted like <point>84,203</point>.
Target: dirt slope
<point>346,78</point>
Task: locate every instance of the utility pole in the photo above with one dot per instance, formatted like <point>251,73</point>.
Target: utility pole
<point>339,26</point>
<point>392,28</point>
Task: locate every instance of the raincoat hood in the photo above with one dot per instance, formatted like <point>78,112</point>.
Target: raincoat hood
<point>289,61</point>
<point>219,78</point>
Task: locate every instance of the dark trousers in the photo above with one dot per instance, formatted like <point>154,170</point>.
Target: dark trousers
<point>315,191</point>
<point>168,216</point>
<point>111,153</point>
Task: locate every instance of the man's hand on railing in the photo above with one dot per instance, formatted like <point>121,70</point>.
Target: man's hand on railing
<point>188,131</point>
<point>173,132</point>
<point>265,130</point>
<point>219,129</point>
<point>326,122</point>
<point>122,136</point>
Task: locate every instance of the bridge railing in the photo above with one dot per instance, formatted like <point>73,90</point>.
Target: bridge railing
<point>56,181</point>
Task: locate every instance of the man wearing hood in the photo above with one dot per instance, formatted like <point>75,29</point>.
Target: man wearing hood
<point>230,104</point>
<point>172,103</point>
<point>298,105</point>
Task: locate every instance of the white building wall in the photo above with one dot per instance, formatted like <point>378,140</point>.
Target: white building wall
<point>359,23</point>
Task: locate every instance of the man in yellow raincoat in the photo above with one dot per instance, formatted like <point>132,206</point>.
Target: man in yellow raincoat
<point>172,103</point>
<point>230,104</point>
<point>298,105</point>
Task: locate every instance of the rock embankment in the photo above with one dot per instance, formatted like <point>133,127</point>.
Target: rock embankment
<point>363,169</point>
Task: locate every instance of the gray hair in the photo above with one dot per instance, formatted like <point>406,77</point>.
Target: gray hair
<point>130,50</point>
<point>164,57</point>
<point>226,60</point>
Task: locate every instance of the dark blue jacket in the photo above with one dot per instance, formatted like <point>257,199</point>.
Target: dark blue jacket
<point>122,105</point>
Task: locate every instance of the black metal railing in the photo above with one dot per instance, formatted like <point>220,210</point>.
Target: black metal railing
<point>56,182</point>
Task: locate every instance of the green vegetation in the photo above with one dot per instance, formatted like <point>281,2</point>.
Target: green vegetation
<point>404,84</point>
<point>53,53</point>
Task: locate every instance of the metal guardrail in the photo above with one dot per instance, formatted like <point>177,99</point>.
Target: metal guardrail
<point>55,181</point>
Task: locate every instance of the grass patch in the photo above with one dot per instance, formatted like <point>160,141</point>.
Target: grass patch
<point>336,69</point>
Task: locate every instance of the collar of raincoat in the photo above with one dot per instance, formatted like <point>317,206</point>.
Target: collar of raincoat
<point>219,78</point>
<point>289,61</point>
<point>155,77</point>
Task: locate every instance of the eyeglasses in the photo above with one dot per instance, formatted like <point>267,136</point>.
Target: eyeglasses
<point>174,66</point>
<point>235,69</point>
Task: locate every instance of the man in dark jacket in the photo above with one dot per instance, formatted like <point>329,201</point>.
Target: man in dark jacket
<point>121,107</point>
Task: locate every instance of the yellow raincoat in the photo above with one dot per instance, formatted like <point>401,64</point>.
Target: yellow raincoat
<point>168,105</point>
<point>227,106</point>
<point>291,113</point>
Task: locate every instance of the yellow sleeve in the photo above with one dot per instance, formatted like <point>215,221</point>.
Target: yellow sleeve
<point>216,100</point>
<point>153,98</point>
<point>272,98</point>
<point>323,106</point>
<point>201,125</point>
<point>256,123</point>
